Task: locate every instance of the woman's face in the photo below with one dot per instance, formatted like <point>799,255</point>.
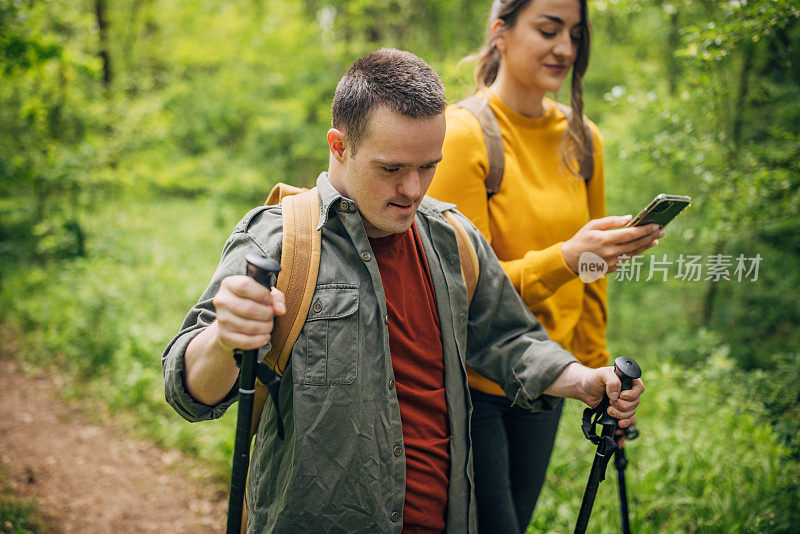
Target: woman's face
<point>538,51</point>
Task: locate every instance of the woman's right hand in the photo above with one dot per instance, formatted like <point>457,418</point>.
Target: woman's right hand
<point>607,239</point>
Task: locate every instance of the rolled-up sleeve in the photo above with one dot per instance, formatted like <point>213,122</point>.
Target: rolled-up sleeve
<point>175,391</point>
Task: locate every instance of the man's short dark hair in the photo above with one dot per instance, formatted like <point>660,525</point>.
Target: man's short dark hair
<point>387,77</point>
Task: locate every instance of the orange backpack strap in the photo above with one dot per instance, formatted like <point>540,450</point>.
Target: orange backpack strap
<point>479,106</point>
<point>300,253</point>
<point>301,247</point>
<point>470,269</point>
<point>281,191</point>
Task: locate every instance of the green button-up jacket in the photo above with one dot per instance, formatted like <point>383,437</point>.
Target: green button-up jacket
<point>336,470</point>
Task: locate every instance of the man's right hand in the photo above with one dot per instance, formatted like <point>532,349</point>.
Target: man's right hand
<point>245,313</point>
<point>607,239</point>
<point>245,316</point>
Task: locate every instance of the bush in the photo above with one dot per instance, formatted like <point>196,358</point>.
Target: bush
<point>707,460</point>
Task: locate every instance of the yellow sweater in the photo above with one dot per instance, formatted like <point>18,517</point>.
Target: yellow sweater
<point>539,206</point>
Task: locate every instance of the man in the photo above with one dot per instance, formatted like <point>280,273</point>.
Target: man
<point>374,401</point>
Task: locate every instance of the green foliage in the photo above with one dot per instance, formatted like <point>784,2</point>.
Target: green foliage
<point>710,111</point>
<point>49,128</point>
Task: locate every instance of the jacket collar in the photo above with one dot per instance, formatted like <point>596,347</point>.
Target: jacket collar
<point>331,198</point>
<point>328,196</point>
<point>430,205</point>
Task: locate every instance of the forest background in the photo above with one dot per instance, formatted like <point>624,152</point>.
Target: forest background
<point>134,135</point>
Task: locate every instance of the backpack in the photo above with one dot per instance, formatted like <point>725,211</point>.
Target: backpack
<point>479,106</point>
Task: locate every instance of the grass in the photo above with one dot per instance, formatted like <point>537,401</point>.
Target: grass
<point>18,515</point>
<point>706,461</point>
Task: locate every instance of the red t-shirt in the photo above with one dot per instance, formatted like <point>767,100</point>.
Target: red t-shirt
<point>415,344</point>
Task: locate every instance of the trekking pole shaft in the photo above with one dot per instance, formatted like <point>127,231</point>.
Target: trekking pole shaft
<point>241,447</point>
<point>619,459</point>
<point>262,270</point>
<point>596,475</point>
<point>621,462</point>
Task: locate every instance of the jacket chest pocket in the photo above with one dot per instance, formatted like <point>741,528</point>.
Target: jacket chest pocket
<point>329,344</point>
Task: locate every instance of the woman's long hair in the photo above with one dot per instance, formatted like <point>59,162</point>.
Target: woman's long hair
<point>487,64</point>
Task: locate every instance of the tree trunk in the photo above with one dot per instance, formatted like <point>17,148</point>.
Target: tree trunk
<point>673,40</point>
<point>741,97</point>
<point>709,299</point>
<point>102,27</point>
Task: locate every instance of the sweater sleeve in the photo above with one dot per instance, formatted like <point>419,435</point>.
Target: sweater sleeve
<point>589,341</point>
<point>539,273</point>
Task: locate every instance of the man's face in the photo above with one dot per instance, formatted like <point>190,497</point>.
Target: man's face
<point>392,169</point>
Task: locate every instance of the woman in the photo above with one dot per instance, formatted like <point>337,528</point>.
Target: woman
<point>540,221</point>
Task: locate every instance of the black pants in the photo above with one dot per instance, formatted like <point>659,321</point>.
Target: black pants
<point>511,449</point>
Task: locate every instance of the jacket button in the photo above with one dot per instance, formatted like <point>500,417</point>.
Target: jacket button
<point>366,256</point>
<point>391,383</point>
<point>398,450</point>
<point>395,517</point>
<point>344,206</point>
<point>318,306</point>
<point>386,319</point>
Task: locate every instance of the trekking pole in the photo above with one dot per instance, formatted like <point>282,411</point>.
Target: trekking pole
<point>621,462</point>
<point>627,370</point>
<point>263,271</point>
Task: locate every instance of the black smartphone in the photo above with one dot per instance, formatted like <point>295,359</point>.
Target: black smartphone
<point>661,210</point>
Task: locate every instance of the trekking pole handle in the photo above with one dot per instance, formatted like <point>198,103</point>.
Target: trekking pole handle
<point>262,269</point>
<point>627,370</point>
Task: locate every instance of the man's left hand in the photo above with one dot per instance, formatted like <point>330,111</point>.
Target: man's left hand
<point>589,385</point>
<point>623,404</point>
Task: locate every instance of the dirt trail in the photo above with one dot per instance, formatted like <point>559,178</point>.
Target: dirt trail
<point>90,478</point>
